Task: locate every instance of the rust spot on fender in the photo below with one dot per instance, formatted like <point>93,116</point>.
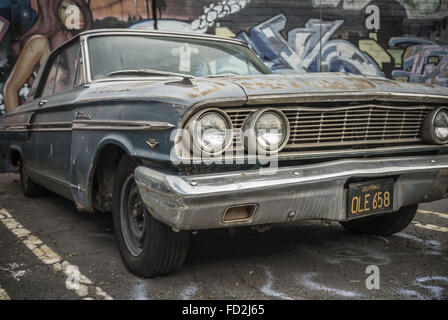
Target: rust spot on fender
<point>196,93</point>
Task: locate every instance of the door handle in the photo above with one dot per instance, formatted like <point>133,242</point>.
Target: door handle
<point>42,102</point>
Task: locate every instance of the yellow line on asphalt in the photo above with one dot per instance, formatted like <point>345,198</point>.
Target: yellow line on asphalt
<point>429,226</point>
<point>3,294</point>
<point>82,285</point>
<point>441,215</point>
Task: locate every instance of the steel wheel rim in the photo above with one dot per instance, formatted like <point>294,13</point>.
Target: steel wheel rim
<point>132,217</point>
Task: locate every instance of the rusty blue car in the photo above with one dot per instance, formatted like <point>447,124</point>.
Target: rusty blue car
<point>176,133</point>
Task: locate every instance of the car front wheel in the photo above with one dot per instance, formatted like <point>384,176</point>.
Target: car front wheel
<point>148,247</point>
<point>384,225</point>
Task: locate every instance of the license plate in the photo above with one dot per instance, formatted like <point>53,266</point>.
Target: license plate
<point>370,197</point>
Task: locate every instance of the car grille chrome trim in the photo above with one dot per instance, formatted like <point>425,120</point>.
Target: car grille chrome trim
<point>352,126</point>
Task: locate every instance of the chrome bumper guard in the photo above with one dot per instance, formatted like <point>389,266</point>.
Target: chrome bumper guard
<point>285,195</point>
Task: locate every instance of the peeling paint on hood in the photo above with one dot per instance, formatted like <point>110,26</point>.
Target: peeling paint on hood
<point>277,84</point>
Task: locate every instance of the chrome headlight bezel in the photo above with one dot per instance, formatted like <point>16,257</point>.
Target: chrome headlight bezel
<point>428,128</point>
<point>194,144</point>
<point>249,134</point>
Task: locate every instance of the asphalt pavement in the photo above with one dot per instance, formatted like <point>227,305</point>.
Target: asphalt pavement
<point>48,250</point>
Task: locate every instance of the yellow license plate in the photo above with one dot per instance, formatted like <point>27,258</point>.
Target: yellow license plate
<point>370,197</point>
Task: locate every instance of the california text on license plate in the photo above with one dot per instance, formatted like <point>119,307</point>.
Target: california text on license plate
<point>370,197</point>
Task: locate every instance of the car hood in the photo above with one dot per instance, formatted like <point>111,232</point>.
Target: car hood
<point>334,86</point>
<point>260,89</point>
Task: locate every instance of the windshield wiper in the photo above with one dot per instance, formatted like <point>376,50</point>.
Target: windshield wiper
<point>145,72</point>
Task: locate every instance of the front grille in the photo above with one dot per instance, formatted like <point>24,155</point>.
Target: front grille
<point>367,126</point>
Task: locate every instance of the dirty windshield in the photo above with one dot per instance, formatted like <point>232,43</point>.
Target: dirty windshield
<point>114,55</point>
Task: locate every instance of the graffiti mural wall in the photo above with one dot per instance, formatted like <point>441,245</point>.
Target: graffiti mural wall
<point>402,39</point>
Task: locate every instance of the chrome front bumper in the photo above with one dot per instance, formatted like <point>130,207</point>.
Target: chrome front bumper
<point>317,191</point>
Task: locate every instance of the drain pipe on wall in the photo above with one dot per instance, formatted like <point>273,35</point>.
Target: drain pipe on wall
<point>154,13</point>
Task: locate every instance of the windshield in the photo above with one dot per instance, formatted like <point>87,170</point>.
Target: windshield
<point>195,57</point>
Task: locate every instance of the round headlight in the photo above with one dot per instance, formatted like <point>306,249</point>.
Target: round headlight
<point>435,127</point>
<point>211,132</point>
<point>441,125</point>
<point>268,129</point>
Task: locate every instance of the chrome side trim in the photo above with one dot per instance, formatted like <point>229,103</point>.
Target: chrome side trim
<point>17,126</point>
<point>50,126</point>
<point>89,125</point>
<point>14,128</point>
<point>120,125</point>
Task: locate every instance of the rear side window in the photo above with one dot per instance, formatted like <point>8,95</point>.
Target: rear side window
<point>66,68</point>
<point>51,77</point>
<point>62,72</point>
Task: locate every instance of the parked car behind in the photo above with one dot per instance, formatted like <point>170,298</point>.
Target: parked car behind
<point>176,132</point>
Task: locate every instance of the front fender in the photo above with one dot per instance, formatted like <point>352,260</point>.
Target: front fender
<point>86,150</point>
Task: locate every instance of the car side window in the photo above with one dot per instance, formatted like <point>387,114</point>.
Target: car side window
<point>67,68</point>
<point>51,78</point>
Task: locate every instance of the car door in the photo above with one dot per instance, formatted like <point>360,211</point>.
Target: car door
<point>52,121</point>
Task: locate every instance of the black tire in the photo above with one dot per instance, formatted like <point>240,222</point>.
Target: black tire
<point>148,247</point>
<point>384,225</point>
<point>28,187</point>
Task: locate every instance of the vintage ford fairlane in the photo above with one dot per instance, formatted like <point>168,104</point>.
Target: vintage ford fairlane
<point>175,133</point>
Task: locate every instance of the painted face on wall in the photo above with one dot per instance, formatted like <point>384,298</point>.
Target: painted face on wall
<point>67,15</point>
